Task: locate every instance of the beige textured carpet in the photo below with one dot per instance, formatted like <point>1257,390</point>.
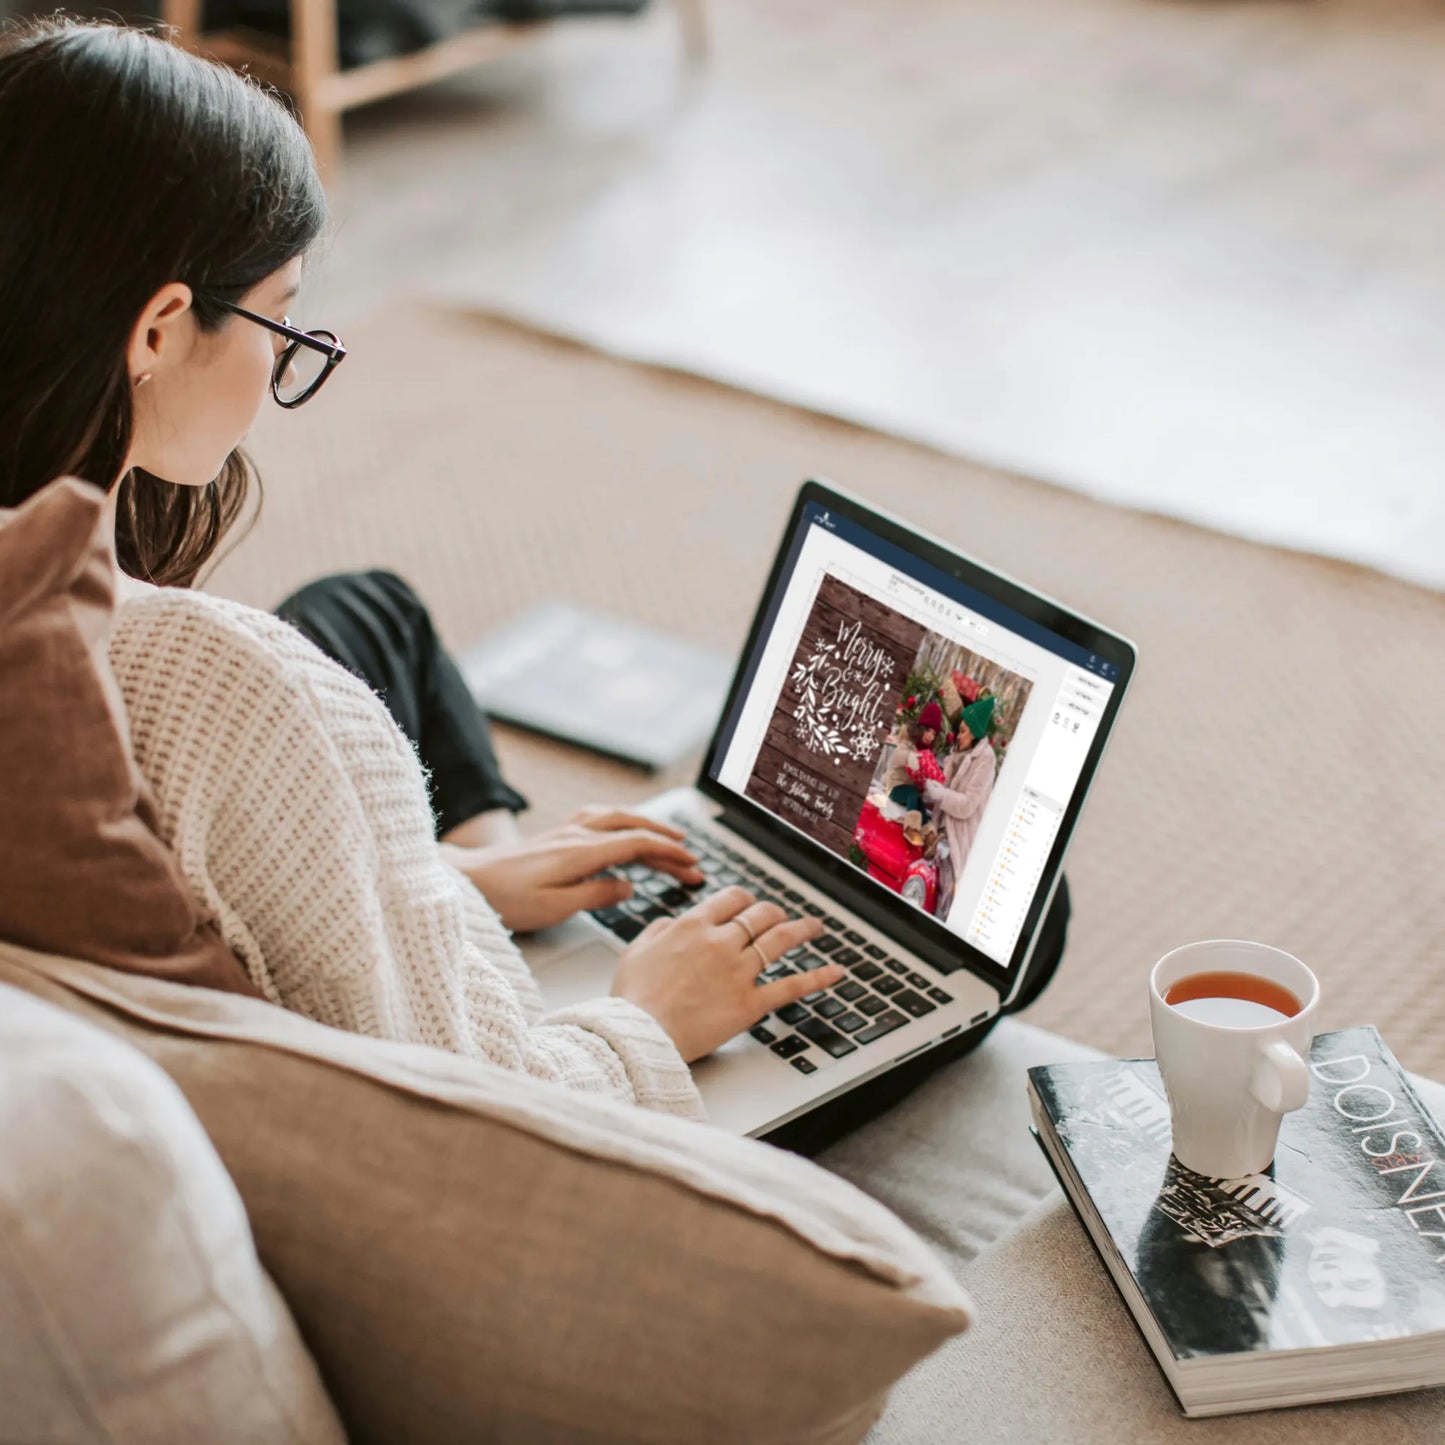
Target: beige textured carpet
<point>1276,772</point>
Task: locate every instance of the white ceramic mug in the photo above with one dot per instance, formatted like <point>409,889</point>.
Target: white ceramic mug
<point>1229,1086</point>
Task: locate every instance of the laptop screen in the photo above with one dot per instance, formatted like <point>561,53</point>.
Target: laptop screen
<point>913,725</point>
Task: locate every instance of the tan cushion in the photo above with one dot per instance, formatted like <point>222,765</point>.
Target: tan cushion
<point>82,870</point>
<point>133,1309</point>
<point>474,1255</point>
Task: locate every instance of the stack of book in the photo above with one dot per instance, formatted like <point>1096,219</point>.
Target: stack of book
<point>1321,1279</point>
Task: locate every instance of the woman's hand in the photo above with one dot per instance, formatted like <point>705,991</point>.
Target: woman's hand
<point>536,882</point>
<point>695,974</point>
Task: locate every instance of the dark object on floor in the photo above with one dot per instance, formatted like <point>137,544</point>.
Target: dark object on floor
<point>368,30</point>
<point>520,12</point>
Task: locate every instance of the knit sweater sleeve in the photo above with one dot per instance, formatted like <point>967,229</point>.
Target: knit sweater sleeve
<point>633,1033</point>
<point>300,816</point>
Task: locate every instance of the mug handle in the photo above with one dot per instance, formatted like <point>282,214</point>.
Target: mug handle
<point>1280,1080</point>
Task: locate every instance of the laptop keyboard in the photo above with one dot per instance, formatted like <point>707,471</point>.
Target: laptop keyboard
<point>879,994</point>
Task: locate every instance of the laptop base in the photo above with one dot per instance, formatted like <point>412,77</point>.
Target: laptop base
<point>809,1134</point>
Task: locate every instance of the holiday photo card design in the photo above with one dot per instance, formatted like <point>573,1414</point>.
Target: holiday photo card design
<point>833,712</point>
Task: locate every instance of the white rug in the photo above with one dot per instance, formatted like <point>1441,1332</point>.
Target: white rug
<point>1183,256</point>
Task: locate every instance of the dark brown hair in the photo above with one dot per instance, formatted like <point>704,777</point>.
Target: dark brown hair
<point>128,163</point>
<point>915,730</point>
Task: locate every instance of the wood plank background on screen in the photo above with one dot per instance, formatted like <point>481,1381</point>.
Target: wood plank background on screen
<point>833,711</point>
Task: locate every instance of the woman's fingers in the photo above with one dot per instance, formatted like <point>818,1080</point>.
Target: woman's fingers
<point>718,907</point>
<point>572,859</point>
<point>696,975</point>
<point>757,919</point>
<point>770,925</point>
<point>591,893</point>
<point>769,997</point>
<point>608,819</point>
<point>783,934</point>
<point>632,845</point>
<point>658,925</point>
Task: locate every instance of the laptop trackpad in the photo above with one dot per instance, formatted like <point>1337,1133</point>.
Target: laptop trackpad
<point>573,969</point>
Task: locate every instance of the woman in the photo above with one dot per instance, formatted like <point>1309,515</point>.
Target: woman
<point>157,212</point>
<point>959,800</point>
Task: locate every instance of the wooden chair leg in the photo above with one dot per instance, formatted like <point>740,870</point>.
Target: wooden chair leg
<point>313,64</point>
<point>696,38</point>
<point>323,129</point>
<point>184,18</point>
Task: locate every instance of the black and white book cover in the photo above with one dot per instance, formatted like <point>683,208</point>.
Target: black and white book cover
<point>1340,1242</point>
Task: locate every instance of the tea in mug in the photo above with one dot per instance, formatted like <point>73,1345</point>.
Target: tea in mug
<point>1232,1000</point>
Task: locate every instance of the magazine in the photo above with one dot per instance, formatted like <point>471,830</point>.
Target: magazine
<point>1320,1279</point>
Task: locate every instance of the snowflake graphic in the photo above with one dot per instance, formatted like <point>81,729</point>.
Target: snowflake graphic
<point>865,742</point>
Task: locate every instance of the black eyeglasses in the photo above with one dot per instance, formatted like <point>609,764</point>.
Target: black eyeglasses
<point>309,358</point>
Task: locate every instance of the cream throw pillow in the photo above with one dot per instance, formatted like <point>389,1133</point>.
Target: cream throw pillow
<point>133,1310</point>
<point>475,1256</point>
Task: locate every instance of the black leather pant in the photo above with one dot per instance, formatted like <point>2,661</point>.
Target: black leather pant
<point>375,626</point>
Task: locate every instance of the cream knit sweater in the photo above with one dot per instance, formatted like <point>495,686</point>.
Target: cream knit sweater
<point>300,816</point>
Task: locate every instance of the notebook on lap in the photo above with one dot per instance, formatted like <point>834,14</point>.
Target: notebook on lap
<point>903,753</point>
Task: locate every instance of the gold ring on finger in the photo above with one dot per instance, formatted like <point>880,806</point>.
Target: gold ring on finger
<point>743,924</point>
<point>762,957</point>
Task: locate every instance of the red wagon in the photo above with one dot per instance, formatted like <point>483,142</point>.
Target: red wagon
<point>893,860</point>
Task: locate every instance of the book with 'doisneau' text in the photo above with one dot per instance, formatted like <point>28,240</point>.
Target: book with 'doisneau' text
<point>1321,1279</point>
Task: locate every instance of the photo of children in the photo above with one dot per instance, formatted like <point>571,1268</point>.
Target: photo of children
<point>936,772</point>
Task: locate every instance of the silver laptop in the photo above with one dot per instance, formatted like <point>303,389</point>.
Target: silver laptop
<point>813,792</point>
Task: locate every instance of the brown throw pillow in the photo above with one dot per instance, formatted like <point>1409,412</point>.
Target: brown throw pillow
<point>82,870</point>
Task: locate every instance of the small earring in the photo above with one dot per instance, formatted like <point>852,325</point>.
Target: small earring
<point>144,377</point>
